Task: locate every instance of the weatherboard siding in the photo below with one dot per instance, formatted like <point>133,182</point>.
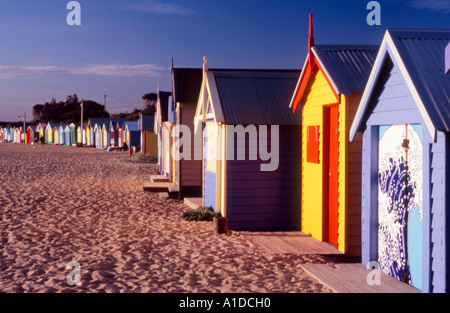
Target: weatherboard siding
<point>318,93</point>
<point>438,235</point>
<point>190,170</point>
<point>266,199</point>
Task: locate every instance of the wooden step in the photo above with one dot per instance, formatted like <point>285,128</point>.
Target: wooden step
<point>159,179</point>
<point>157,187</point>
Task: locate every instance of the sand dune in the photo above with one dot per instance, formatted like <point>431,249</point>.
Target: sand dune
<point>60,204</point>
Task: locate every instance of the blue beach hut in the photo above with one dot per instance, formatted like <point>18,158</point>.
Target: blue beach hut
<point>404,115</point>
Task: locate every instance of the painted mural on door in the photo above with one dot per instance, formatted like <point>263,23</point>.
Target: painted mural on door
<point>400,228</point>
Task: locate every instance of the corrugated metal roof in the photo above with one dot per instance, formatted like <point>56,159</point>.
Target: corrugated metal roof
<point>186,84</point>
<point>146,122</point>
<point>132,125</point>
<point>257,97</point>
<point>348,66</point>
<point>423,53</point>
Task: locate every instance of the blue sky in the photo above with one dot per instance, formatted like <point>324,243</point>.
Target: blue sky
<point>123,48</point>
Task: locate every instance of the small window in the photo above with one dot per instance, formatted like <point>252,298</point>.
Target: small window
<point>312,146</point>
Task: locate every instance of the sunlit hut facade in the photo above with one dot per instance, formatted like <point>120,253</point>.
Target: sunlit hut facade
<point>56,135</point>
<point>187,173</point>
<point>328,94</point>
<point>165,139</point>
<point>48,134</point>
<point>252,189</point>
<point>98,135</point>
<point>404,115</point>
<point>30,135</point>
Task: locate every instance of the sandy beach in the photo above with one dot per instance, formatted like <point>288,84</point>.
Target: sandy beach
<point>61,204</point>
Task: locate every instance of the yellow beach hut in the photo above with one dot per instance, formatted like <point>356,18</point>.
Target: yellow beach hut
<point>328,93</point>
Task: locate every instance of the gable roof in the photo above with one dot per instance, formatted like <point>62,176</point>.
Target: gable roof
<point>420,57</point>
<point>346,67</point>
<point>257,97</point>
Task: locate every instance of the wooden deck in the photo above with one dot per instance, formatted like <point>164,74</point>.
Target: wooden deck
<point>352,278</point>
<point>339,277</point>
<point>290,242</point>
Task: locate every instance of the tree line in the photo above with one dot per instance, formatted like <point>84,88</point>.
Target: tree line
<point>69,111</point>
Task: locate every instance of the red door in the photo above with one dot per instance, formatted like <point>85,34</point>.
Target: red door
<point>332,165</point>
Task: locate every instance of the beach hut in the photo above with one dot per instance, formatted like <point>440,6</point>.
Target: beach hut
<point>83,135</point>
<point>30,135</point>
<point>18,134</point>
<point>186,84</point>
<point>88,140</point>
<point>49,134</point>
<point>98,136</point>
<point>67,140</point>
<point>242,115</point>
<point>106,137</point>
<point>73,134</point>
<point>404,116</point>
<point>148,137</point>
<point>165,139</point>
<point>327,95</point>
<point>79,136</point>
<point>62,134</point>
<point>56,135</point>
<point>11,134</point>
<point>133,138</point>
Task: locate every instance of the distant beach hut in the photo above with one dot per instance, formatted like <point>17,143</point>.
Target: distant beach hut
<point>83,135</point>
<point>30,135</point>
<point>252,191</point>
<point>62,134</point>
<point>112,134</point>
<point>67,135</point>
<point>106,136</point>
<point>120,134</point>
<point>404,118</point>
<point>88,134</point>
<point>98,136</point>
<point>79,136</point>
<point>56,135</point>
<point>18,134</point>
<point>327,95</point>
<point>92,136</point>
<point>149,139</point>
<point>133,138</point>
<point>73,134</point>
<point>49,134</point>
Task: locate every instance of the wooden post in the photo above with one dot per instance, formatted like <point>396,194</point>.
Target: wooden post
<point>220,225</point>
